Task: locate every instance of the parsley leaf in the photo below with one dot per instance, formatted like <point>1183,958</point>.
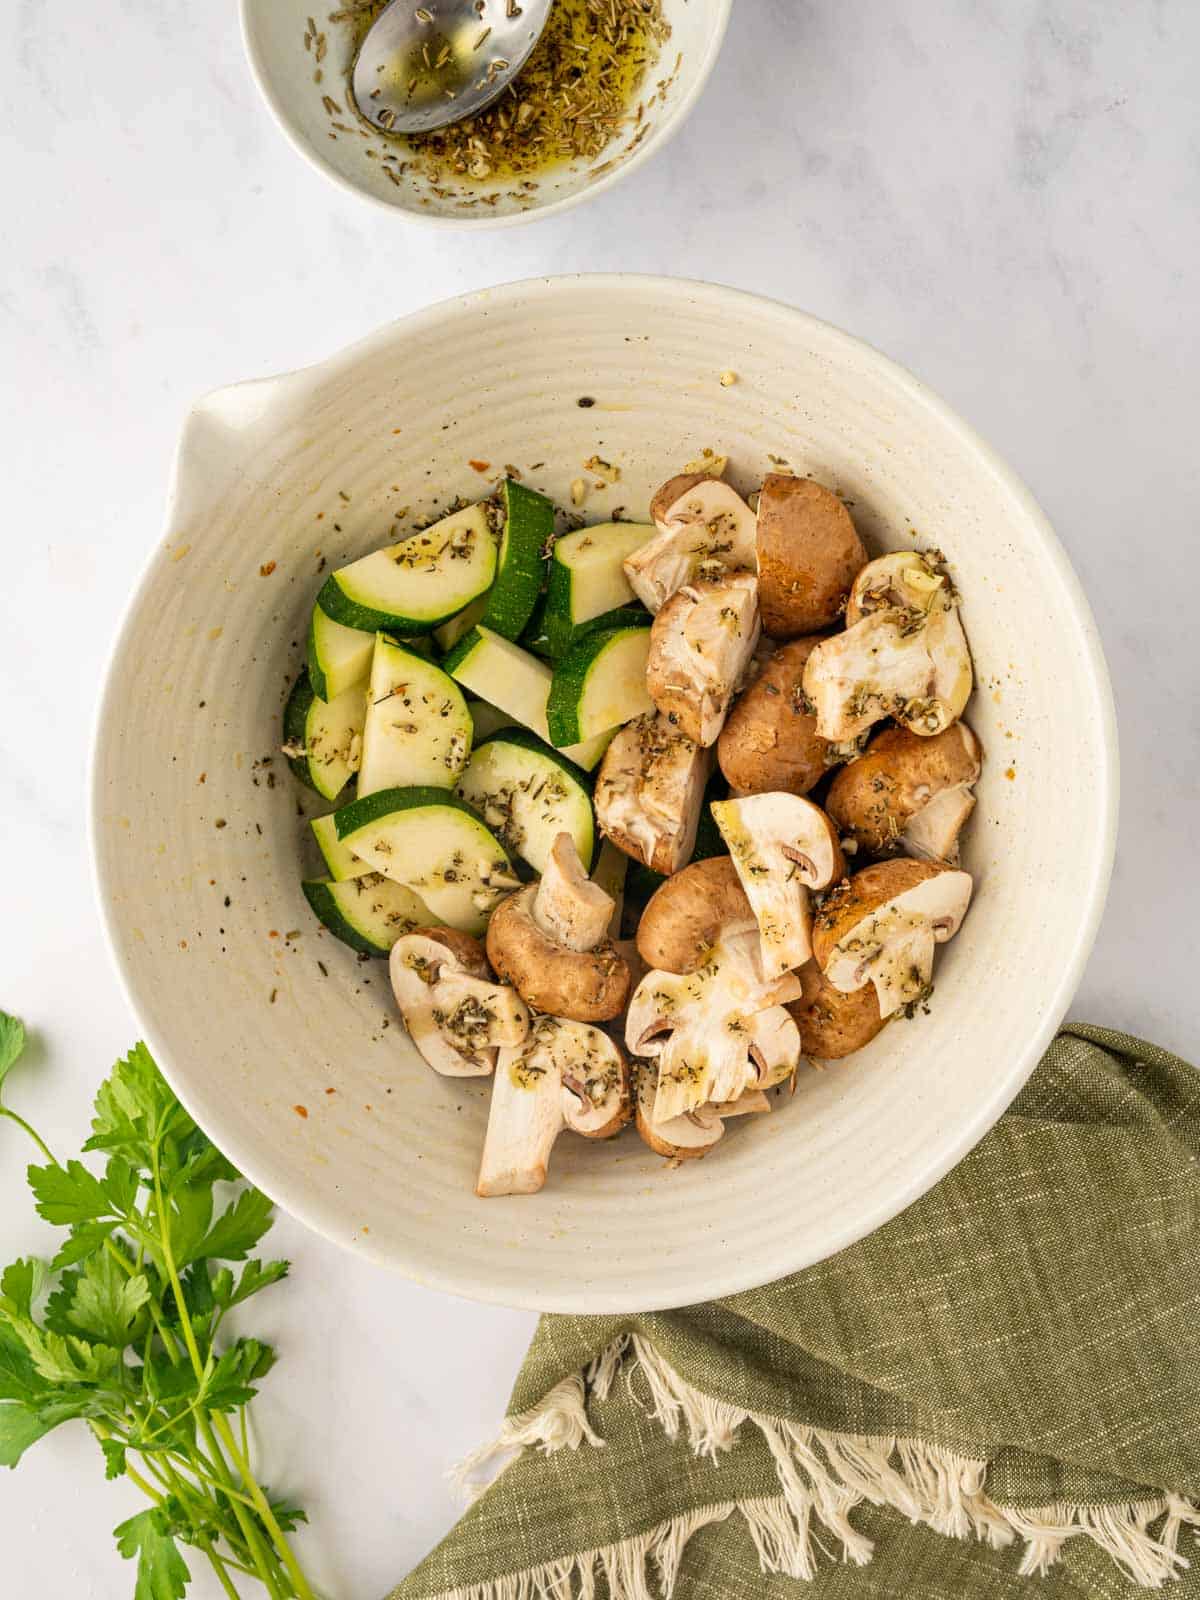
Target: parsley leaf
<point>70,1194</point>
<point>12,1043</point>
<point>162,1573</point>
<point>106,1302</point>
<point>237,1230</point>
<point>19,1285</point>
<point>20,1426</point>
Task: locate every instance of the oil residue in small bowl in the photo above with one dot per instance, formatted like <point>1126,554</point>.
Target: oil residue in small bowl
<point>579,87</point>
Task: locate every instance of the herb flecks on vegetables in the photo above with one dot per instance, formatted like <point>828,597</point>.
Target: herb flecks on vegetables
<point>125,1331</point>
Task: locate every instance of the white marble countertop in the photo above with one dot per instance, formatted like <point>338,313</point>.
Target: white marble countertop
<point>999,193</point>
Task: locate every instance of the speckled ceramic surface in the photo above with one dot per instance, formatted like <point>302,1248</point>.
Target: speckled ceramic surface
<point>200,847</point>
<point>335,141</point>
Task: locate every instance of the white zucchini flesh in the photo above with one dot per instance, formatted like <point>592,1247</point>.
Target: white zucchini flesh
<point>418,730</point>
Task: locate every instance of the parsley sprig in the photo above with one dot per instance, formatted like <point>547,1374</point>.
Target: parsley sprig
<point>125,1330</point>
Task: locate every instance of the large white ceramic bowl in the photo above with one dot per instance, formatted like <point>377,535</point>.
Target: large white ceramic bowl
<point>199,845</point>
<point>341,147</point>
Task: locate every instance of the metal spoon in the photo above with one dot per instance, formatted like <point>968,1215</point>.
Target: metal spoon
<point>425,63</point>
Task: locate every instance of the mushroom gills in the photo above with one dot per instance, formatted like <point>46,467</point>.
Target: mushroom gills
<point>702,642</point>
<point>716,1031</point>
<point>566,1075</point>
<point>455,1018</point>
<point>892,945</point>
<point>707,530</point>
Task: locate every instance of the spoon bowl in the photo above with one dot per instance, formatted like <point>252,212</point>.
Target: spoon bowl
<point>423,66</point>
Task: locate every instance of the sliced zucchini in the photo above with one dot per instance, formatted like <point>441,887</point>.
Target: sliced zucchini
<point>535,637</point>
<point>521,566</point>
<point>418,729</point>
<point>599,684</point>
<point>516,682</point>
<point>323,738</point>
<point>488,720</point>
<point>528,794</point>
<point>342,863</point>
<point>413,586</point>
<point>587,578</point>
<point>609,872</point>
<point>368,913</point>
<point>431,841</point>
<point>635,616</point>
<point>448,635</point>
<point>339,658</point>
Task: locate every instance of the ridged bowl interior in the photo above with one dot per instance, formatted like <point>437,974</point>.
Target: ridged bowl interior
<point>288,1049</point>
<point>321,123</point>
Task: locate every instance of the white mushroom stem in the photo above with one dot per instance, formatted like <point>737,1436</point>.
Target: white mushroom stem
<point>456,1020</point>
<point>931,833</point>
<point>751,1103</point>
<point>892,947</point>
<point>568,907</point>
<point>782,846</point>
<point>565,1075</point>
<point>707,529</point>
<point>707,1030</point>
<point>701,645</point>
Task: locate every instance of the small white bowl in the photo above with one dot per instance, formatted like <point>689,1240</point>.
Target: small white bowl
<point>307,1080</point>
<point>338,144</point>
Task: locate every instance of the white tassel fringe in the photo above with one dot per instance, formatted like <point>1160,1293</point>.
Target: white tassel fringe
<point>822,1477</point>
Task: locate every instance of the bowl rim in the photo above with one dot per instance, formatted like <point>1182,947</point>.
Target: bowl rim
<point>727,1276</point>
<point>683,109</point>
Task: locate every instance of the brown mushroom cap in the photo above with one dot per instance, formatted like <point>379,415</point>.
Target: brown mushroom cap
<point>833,1024</point>
<point>862,894</point>
<point>874,798</point>
<point>582,986</point>
<point>461,946</point>
<point>685,916</point>
<point>808,556</point>
<point>770,742</point>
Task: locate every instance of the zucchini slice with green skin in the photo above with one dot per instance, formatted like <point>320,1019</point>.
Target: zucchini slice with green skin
<point>634,616</point>
<point>342,863</point>
<point>528,794</point>
<point>599,684</point>
<point>521,565</point>
<point>339,658</point>
<point>448,635</point>
<point>433,842</point>
<point>516,682</point>
<point>323,738</point>
<point>418,729</point>
<point>424,580</point>
<point>587,578</point>
<point>368,913</point>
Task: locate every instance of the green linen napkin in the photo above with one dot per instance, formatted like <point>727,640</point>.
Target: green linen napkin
<point>996,1394</point>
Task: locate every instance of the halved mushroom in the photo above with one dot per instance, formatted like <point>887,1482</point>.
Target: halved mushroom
<point>783,847</point>
<point>908,793</point>
<point>686,916</point>
<point>833,1024</point>
<point>687,1137</point>
<point>700,646</point>
<point>649,792</point>
<point>717,1031</point>
<point>881,928</point>
<point>705,529</point>
<point>808,556</point>
<point>457,1017</point>
<point>550,941</point>
<point>565,1075</point>
<point>770,740</point>
<point>906,660</point>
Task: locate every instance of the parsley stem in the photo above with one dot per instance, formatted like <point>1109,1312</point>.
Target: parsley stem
<point>253,1538</point>
<point>32,1132</point>
<point>263,1507</point>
